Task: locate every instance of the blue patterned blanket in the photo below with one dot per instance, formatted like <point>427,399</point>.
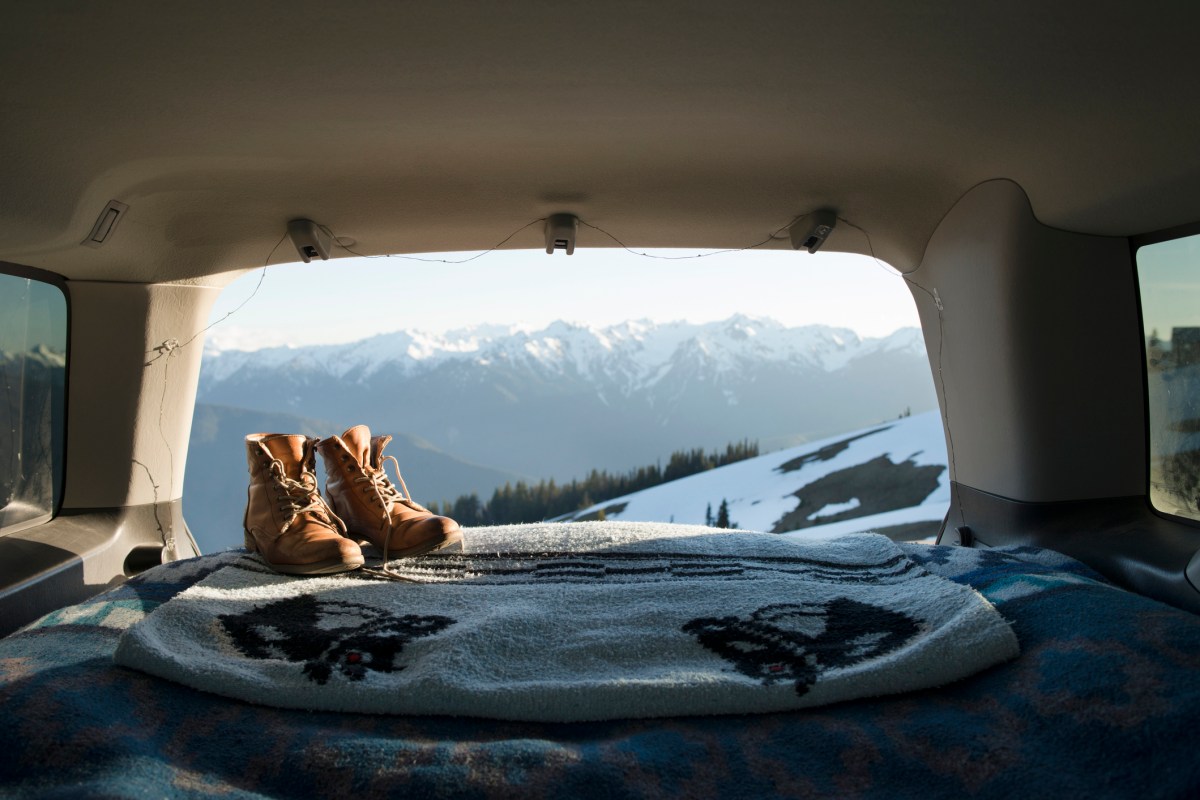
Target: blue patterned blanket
<point>580,622</point>
<point>1102,702</point>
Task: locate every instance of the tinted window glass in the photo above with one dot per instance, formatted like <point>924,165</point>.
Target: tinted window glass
<point>1169,274</point>
<point>33,349</point>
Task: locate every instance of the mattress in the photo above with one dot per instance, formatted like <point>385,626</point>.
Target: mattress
<point>1101,702</point>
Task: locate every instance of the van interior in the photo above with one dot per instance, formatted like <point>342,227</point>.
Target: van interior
<point>1018,163</point>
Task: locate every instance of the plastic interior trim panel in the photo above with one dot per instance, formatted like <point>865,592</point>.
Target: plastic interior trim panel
<point>1119,537</point>
<point>79,554</point>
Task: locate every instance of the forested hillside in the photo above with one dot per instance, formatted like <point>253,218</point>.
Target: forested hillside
<point>526,502</point>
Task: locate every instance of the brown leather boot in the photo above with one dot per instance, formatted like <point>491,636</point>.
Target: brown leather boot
<point>287,522</point>
<point>361,494</point>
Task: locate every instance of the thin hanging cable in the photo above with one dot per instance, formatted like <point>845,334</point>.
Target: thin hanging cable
<point>771,237</point>
<point>167,349</point>
<point>940,306</point>
<point>167,539</point>
<point>480,254</point>
<point>169,346</point>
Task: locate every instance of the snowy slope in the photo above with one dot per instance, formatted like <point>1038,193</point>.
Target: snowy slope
<point>760,493</point>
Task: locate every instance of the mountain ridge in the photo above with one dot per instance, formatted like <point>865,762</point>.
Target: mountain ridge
<point>646,345</point>
<point>567,398</point>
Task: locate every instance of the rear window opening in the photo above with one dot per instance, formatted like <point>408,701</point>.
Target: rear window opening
<point>1169,280</point>
<point>772,391</point>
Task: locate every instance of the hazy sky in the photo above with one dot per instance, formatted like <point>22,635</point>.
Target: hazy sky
<point>351,298</point>
<point>1169,280</point>
<point>32,313</point>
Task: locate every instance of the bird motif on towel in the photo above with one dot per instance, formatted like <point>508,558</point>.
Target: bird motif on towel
<point>328,635</point>
<point>797,641</point>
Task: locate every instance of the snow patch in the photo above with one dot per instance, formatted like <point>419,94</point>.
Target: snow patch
<point>760,494</point>
<point>833,509</point>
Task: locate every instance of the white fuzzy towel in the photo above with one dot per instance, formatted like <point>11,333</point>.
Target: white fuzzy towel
<point>580,621</point>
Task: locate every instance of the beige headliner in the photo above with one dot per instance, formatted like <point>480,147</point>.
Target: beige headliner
<point>445,126</point>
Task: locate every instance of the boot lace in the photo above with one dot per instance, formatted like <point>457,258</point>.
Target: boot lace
<point>296,497</point>
<point>385,491</point>
<point>386,495</point>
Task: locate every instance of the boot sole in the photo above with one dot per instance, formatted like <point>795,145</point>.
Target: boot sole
<point>330,567</point>
<point>320,568</point>
<point>451,543</point>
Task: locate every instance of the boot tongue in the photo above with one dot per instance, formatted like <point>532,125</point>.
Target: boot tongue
<point>358,441</point>
<point>377,445</point>
<point>290,450</point>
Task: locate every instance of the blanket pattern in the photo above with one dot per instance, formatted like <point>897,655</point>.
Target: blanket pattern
<point>362,639</point>
<point>1102,703</point>
<point>583,621</point>
<point>771,644</point>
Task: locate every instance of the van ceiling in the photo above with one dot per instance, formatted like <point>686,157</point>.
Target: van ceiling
<point>417,127</point>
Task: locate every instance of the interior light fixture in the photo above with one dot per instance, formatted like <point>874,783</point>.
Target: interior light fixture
<point>561,230</point>
<point>811,231</point>
<point>311,240</point>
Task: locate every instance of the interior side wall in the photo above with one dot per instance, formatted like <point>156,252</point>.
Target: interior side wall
<point>129,413</point>
<point>1039,360</point>
<point>130,399</point>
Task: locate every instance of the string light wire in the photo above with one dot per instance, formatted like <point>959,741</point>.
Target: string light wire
<point>169,347</point>
<point>941,312</point>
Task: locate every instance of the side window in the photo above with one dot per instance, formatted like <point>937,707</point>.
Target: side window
<point>33,366</point>
<point>1169,277</point>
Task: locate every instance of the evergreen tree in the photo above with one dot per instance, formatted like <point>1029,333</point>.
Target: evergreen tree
<point>468,510</point>
<point>708,517</point>
<point>723,514</point>
<point>524,502</point>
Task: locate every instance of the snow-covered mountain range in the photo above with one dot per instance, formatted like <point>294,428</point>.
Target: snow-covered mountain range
<point>40,354</point>
<point>632,354</point>
<point>562,400</point>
